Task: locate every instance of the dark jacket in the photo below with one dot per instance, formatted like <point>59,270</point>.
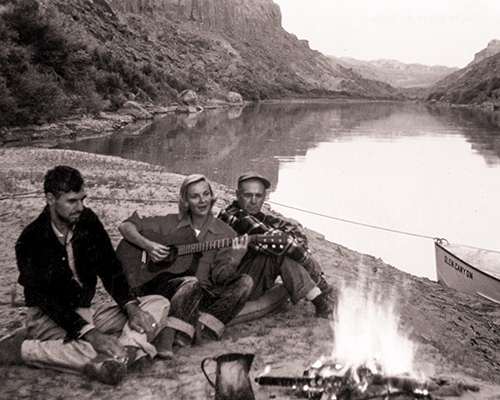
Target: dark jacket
<point>47,278</point>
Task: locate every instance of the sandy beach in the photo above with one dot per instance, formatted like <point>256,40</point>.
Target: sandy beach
<point>454,336</point>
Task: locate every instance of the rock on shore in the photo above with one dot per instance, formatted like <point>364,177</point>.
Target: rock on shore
<point>456,336</point>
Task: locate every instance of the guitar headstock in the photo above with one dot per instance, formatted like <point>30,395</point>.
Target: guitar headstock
<point>273,241</point>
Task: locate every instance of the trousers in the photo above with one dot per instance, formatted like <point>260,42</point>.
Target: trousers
<point>265,268</point>
<point>46,346</point>
<point>221,303</point>
<point>184,294</point>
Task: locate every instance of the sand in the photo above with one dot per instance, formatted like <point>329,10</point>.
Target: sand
<point>455,336</point>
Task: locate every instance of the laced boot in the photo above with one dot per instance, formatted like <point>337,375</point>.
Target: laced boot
<point>138,361</point>
<point>106,369</point>
<point>323,285</point>
<point>324,305</point>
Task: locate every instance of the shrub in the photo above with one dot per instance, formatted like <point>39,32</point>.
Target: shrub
<point>467,96</point>
<point>7,104</point>
<point>39,98</point>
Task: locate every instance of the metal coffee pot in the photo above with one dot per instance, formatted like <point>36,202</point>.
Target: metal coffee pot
<point>231,376</point>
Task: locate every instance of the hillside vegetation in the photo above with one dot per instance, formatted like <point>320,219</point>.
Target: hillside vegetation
<point>80,57</point>
<point>476,84</point>
<point>47,73</point>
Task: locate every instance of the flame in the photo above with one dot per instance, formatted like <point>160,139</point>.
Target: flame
<point>366,333</point>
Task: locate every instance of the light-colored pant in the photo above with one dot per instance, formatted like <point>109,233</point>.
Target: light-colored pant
<point>45,346</point>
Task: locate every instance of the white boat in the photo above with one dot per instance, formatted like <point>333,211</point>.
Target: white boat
<point>468,269</point>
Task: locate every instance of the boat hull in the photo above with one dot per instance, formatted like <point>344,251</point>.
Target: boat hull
<point>455,272</point>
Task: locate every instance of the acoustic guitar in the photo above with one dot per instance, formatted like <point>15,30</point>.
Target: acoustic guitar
<point>184,254</point>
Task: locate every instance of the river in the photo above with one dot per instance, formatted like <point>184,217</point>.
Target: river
<point>381,178</point>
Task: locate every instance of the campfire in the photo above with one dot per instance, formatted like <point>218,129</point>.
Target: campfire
<point>371,357</point>
<point>336,382</point>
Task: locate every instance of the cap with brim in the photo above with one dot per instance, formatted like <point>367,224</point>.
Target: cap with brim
<point>254,175</point>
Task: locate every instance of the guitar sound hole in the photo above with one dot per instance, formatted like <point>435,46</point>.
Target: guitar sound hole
<point>172,255</point>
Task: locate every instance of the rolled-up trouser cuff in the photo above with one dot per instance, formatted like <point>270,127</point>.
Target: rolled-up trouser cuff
<point>300,294</point>
<point>180,325</point>
<point>213,323</point>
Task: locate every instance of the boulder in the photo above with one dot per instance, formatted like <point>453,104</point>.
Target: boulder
<point>189,97</point>
<point>136,110</point>
<point>233,97</point>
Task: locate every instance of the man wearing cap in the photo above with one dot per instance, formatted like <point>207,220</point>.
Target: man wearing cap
<point>300,272</point>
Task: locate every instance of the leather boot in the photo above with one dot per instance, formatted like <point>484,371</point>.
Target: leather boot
<point>324,305</point>
<point>106,370</point>
<point>164,342</point>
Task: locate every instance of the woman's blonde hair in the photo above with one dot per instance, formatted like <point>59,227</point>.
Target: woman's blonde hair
<point>184,210</point>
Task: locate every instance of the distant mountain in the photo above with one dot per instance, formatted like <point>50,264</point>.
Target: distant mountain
<point>476,84</point>
<point>396,73</point>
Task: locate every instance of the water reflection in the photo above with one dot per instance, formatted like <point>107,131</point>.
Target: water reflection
<point>222,144</point>
<point>395,165</point>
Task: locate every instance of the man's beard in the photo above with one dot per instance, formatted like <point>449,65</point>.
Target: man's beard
<point>67,221</point>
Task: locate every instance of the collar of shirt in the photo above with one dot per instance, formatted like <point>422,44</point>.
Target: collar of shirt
<point>209,226</point>
<point>60,235</point>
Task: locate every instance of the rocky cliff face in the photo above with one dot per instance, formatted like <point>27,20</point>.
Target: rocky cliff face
<point>241,18</point>
<point>492,49</point>
<point>476,84</point>
<point>214,46</point>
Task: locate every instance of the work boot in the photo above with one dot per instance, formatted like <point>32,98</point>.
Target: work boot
<point>209,334</point>
<point>324,304</point>
<point>106,370</point>
<point>164,342</point>
<point>323,285</point>
<point>183,340</point>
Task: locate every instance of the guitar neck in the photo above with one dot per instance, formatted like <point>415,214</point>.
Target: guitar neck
<point>191,248</point>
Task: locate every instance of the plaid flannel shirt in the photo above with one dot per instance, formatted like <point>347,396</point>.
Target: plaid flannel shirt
<point>242,222</point>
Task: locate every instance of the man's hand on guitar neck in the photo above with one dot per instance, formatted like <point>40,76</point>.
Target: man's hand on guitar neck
<point>240,246</point>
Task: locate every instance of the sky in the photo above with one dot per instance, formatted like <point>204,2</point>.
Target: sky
<point>428,32</point>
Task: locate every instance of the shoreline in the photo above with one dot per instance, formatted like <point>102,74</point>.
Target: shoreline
<point>107,123</point>
<point>455,335</point>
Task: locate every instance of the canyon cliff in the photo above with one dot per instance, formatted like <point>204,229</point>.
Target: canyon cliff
<point>476,84</point>
<point>214,46</point>
<point>490,50</point>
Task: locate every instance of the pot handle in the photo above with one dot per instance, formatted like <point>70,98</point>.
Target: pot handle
<point>204,372</point>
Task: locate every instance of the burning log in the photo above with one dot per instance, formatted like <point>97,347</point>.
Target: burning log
<point>345,389</point>
<point>386,387</point>
<point>332,381</point>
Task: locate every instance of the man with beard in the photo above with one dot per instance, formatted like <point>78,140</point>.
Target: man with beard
<point>59,256</point>
<point>300,272</point>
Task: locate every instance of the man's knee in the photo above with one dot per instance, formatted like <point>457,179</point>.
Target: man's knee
<point>288,265</point>
<point>154,301</point>
<point>245,284</point>
<point>189,287</point>
<point>190,282</point>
